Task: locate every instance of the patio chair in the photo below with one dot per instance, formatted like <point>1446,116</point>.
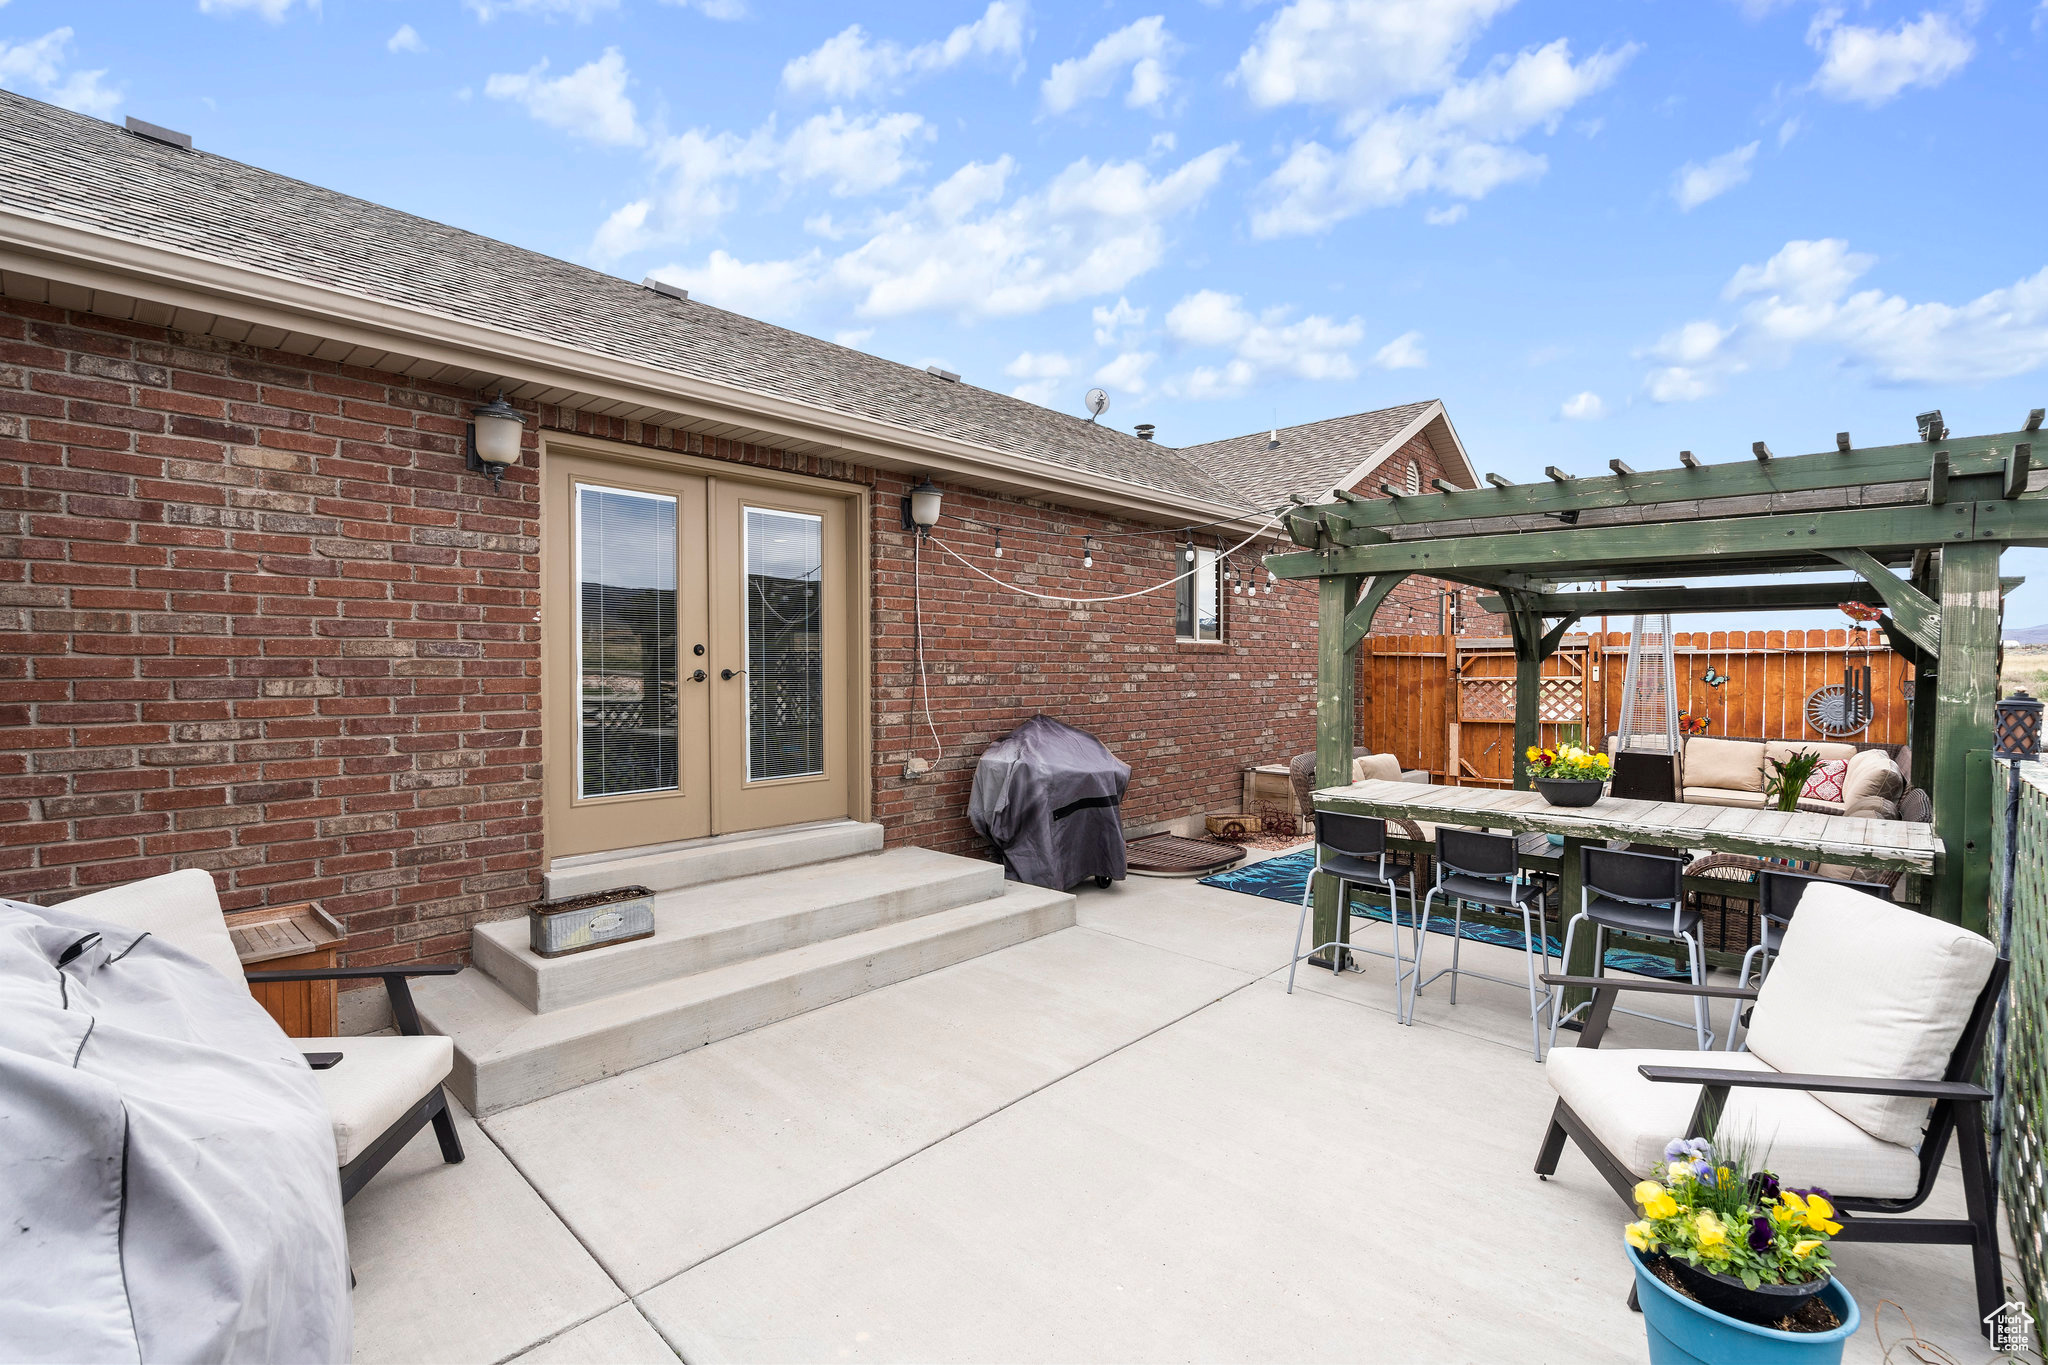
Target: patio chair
<point>1778,893</point>
<point>1485,870</point>
<point>381,1091</point>
<point>1861,1045</point>
<point>1353,850</point>
<point>1641,894</point>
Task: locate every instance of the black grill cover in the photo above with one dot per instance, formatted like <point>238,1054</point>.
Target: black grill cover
<point>1048,797</point>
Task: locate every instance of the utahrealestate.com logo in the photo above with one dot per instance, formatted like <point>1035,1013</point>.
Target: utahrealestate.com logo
<point>2010,1327</point>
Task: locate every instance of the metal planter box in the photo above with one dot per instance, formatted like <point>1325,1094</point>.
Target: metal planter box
<point>575,924</point>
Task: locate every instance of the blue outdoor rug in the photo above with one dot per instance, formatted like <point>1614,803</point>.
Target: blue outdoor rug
<point>1282,878</point>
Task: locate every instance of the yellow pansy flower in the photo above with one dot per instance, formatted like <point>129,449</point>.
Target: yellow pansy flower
<point>1646,1190</point>
<point>1532,753</point>
<point>1638,1235</point>
<point>1806,1246</point>
<point>1817,1208</point>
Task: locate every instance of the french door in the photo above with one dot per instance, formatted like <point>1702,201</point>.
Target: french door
<point>698,654</point>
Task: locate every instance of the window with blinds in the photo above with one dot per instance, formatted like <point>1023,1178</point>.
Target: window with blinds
<point>785,643</point>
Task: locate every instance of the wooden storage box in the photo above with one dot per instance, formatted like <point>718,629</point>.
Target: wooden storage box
<point>286,938</point>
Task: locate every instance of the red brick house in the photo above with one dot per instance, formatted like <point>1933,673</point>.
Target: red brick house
<point>258,616</point>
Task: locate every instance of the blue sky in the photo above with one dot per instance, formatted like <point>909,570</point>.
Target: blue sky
<point>1593,230</point>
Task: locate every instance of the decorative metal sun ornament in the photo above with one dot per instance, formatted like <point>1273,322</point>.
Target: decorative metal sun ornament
<point>1832,711</point>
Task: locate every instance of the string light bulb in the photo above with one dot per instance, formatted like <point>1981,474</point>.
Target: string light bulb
<point>1087,553</point>
<point>999,544</point>
<point>1191,547</point>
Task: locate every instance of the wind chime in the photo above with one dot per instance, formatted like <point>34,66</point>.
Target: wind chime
<point>1842,709</point>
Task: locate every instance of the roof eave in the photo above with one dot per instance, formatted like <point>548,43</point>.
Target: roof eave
<point>122,267</point>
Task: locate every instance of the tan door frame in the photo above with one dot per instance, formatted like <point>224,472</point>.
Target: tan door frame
<point>858,568</point>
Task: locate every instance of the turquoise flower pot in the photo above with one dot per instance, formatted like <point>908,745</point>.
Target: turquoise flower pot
<point>1686,1333</point>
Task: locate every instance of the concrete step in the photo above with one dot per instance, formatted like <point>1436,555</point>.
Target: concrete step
<point>699,928</point>
<point>507,1055</point>
<point>719,858</point>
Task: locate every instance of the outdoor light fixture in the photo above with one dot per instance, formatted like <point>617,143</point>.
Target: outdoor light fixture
<point>2018,732</point>
<point>494,435</point>
<point>921,508</point>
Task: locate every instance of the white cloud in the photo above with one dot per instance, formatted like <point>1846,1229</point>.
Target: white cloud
<point>759,289</point>
<point>1266,345</point>
<point>1043,373</point>
<point>1871,66</point>
<point>698,174</point>
<point>1116,321</point>
<point>1353,52</point>
<point>854,337</point>
<point>1805,296</point>
<point>967,247</point>
<point>590,102</point>
<point>579,10</point>
<point>38,64</point>
<point>857,155</point>
<point>1462,145</point>
<point>273,10</point>
<point>713,9</point>
<point>850,63</point>
<point>1695,182</point>
<point>407,39</point>
<point>1126,373</point>
<point>1446,217</point>
<point>1789,129</point>
<point>1144,48</point>
<point>1583,407</point>
<point>1404,352</point>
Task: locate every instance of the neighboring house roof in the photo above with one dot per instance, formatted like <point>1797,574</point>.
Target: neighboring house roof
<point>65,168</point>
<point>1319,457</point>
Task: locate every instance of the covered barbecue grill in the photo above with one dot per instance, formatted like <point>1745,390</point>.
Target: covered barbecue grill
<point>1049,798</point>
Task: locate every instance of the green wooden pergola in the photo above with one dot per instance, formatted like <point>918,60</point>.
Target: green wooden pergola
<point>1921,525</point>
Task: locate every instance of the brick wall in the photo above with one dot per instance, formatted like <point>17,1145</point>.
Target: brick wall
<point>256,618</point>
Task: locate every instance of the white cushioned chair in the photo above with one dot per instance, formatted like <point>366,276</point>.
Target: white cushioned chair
<point>381,1092</point>
<point>1862,1042</point>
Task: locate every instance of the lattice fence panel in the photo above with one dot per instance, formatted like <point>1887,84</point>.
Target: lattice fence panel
<point>1561,701</point>
<point>2023,1188</point>
<point>1486,698</point>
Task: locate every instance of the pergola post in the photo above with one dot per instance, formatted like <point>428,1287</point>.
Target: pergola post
<point>1336,716</point>
<point>1920,727</point>
<point>1965,694</point>
<point>1527,630</point>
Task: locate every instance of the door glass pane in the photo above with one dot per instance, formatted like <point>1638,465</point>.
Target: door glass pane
<point>626,640</point>
<point>1207,620</point>
<point>785,643</point>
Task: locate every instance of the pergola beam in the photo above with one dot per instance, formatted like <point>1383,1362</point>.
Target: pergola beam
<point>1915,614</point>
<point>1611,551</point>
<point>1844,469</point>
<point>1674,601</point>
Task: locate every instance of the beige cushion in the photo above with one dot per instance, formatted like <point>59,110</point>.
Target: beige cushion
<point>1864,987</point>
<point>1376,768</point>
<point>1721,796</point>
<point>1731,764</point>
<point>1873,786</point>
<point>1808,1143</point>
<point>180,908</point>
<point>377,1080</point>
<point>1782,749</point>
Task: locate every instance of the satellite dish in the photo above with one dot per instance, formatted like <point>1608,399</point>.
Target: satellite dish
<point>1098,403</point>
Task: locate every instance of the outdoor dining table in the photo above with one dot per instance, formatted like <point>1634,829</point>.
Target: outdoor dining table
<point>1852,841</point>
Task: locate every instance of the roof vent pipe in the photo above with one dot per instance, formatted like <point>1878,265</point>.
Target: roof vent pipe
<point>665,289</point>
<point>944,374</point>
<point>1144,430</point>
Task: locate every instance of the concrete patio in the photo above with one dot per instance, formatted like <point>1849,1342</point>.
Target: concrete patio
<point>1122,1141</point>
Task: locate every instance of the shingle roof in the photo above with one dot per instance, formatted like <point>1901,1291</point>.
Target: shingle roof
<point>1309,459</point>
<point>83,171</point>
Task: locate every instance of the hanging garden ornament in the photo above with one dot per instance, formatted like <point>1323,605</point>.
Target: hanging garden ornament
<point>1713,679</point>
<point>1861,611</point>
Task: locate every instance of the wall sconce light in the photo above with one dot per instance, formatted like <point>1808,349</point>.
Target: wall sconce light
<point>921,507</point>
<point>495,430</point>
<point>2018,733</point>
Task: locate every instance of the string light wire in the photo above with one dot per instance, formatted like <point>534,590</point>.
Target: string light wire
<point>1082,601</point>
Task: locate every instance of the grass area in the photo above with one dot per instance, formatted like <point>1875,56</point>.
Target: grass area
<point>2025,667</point>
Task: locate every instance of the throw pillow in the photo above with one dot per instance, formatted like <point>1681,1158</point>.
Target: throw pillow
<point>1825,782</point>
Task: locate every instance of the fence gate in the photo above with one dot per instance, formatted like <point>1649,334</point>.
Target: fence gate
<point>1481,725</point>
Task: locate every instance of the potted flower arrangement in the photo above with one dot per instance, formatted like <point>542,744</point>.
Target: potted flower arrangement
<point>1786,781</point>
<point>1568,775</point>
<point>1732,1266</point>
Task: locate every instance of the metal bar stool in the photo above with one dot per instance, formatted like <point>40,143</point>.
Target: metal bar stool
<point>1777,896</point>
<point>1353,849</point>
<point>1642,894</point>
<point>1484,870</point>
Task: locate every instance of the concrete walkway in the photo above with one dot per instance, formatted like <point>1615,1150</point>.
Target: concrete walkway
<point>1120,1142</point>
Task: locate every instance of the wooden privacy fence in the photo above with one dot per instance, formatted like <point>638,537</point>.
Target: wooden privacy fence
<point>1446,703</point>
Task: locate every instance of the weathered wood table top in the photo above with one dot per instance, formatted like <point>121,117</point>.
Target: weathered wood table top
<point>1850,840</point>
